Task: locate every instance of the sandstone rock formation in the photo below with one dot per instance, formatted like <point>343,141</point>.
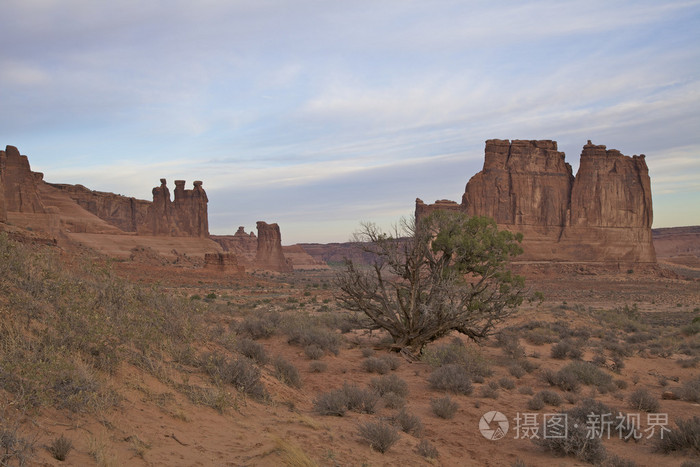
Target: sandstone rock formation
<point>269,253</point>
<point>243,244</point>
<point>18,184</point>
<point>603,214</point>
<point>186,216</point>
<point>125,213</point>
<point>223,262</point>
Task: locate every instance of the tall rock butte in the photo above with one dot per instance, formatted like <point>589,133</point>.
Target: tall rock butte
<point>604,214</point>
<point>269,253</point>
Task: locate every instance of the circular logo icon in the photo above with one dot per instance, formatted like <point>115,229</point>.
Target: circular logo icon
<point>493,425</point>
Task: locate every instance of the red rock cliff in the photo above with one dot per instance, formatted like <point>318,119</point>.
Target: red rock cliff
<point>123,212</point>
<point>185,216</point>
<point>18,184</point>
<point>604,214</point>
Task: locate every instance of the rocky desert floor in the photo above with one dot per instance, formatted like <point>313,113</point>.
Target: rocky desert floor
<point>163,365</point>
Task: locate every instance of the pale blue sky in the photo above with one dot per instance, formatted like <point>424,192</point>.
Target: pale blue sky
<point>321,114</point>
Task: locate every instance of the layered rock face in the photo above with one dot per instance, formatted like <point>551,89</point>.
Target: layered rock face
<point>125,213</point>
<point>223,262</point>
<point>18,184</point>
<point>241,243</point>
<point>603,214</point>
<point>269,253</point>
<point>186,216</point>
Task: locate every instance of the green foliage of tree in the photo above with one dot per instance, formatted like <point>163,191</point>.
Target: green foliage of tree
<point>447,272</point>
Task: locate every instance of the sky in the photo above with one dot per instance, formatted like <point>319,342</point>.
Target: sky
<point>320,115</point>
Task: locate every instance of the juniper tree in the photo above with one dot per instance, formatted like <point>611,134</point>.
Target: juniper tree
<point>447,272</point>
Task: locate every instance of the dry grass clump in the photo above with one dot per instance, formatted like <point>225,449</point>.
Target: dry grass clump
<point>451,377</point>
<point>380,436</point>
<point>444,407</point>
<point>59,448</point>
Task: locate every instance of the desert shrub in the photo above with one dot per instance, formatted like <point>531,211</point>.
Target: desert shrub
<point>490,390</point>
<point>456,352</point>
<point>389,383</point>
<point>506,383</point>
<point>690,390</point>
<point>527,390</point>
<point>240,373</point>
<point>393,362</point>
<point>253,350</point>
<point>451,377</point>
<point>314,352</point>
<point>426,449</point>
<point>540,336</point>
<point>611,460</point>
<point>331,403</point>
<point>642,399</point>
<point>408,423</point>
<point>306,335</point>
<point>550,398</point>
<point>317,367</point>
<point>516,369</point>
<point>375,365</point>
<point>393,401</point>
<point>567,348</point>
<point>380,436</point>
<point>510,345</point>
<point>685,437</point>
<point>564,380</point>
<point>688,362</point>
<point>360,400</point>
<point>444,407</point>
<point>535,403</point>
<point>60,447</point>
<point>259,327</point>
<point>528,365</point>
<point>286,372</point>
<point>577,443</point>
<point>367,352</point>
<point>578,372</point>
<point>13,446</point>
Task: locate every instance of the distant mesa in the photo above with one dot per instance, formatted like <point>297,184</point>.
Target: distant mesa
<point>117,225</point>
<point>603,214</point>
